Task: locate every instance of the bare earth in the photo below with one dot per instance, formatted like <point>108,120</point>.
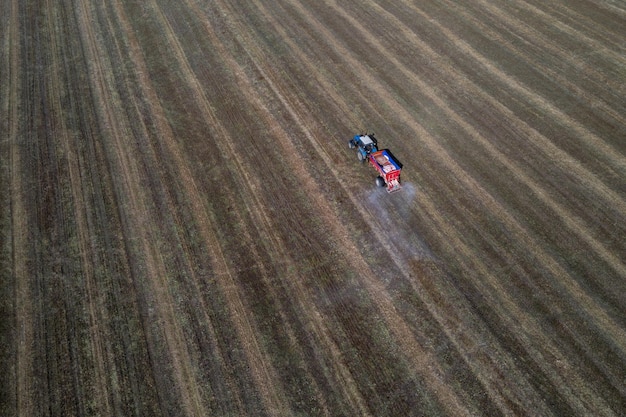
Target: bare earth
<point>184,231</point>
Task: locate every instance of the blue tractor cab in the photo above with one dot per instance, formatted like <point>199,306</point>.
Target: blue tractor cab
<point>365,144</point>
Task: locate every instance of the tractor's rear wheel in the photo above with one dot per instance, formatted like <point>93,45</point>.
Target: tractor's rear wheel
<point>380,181</point>
<point>360,156</point>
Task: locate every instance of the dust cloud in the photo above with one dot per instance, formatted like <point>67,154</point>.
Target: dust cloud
<point>394,216</point>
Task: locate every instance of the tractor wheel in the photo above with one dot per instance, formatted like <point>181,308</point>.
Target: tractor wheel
<point>360,156</point>
<point>351,144</point>
<point>380,181</point>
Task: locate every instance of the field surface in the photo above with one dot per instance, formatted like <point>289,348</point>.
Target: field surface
<point>184,231</point>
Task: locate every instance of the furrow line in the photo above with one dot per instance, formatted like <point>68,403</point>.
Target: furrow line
<point>298,167</point>
<point>266,378</point>
<point>24,322</point>
<point>134,210</point>
<point>528,333</point>
<point>262,221</point>
<point>574,223</point>
<point>151,161</point>
<point>93,170</point>
<point>558,14</point>
<point>312,316</point>
<point>528,33</point>
<point>187,180</point>
<point>611,5</point>
<point>543,41</point>
<point>95,309</point>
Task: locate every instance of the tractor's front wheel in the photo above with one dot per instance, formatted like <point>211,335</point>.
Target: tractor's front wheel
<point>380,181</point>
<point>351,144</point>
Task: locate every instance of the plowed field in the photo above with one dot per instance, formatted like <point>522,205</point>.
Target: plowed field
<point>184,230</point>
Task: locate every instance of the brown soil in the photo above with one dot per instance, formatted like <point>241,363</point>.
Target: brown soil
<point>185,231</point>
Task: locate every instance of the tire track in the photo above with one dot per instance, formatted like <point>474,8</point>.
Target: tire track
<point>187,181</point>
<point>95,310</point>
<point>158,117</point>
<point>421,359</point>
<point>8,332</point>
<point>135,224</point>
<point>611,259</point>
<point>611,6</point>
<point>547,23</point>
<point>575,223</point>
<point>529,34</point>
<point>24,310</point>
<point>127,362</point>
<point>566,17</point>
<point>265,377</point>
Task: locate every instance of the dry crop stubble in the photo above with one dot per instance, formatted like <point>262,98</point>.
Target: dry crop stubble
<point>189,234</point>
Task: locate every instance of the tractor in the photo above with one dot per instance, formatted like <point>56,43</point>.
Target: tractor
<point>365,145</point>
<point>383,161</point>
